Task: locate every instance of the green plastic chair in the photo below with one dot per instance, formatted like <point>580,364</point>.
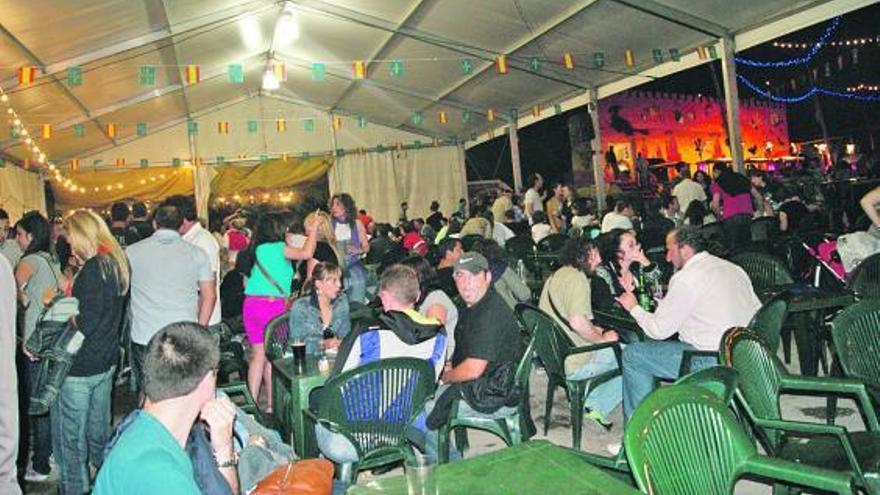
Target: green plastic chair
<point>522,248</point>
<point>865,280</point>
<point>553,346</point>
<point>856,336</point>
<point>768,322</point>
<point>275,338</point>
<point>765,271</point>
<point>510,428</point>
<point>763,379</point>
<point>372,406</point>
<point>240,395</point>
<point>683,440</point>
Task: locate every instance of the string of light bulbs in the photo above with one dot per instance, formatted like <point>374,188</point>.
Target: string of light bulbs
<point>814,90</point>
<point>849,42</point>
<point>814,50</point>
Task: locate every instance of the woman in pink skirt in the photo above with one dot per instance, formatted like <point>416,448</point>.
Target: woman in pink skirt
<point>269,276</point>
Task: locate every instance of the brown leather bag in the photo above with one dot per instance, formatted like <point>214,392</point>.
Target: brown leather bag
<point>305,477</point>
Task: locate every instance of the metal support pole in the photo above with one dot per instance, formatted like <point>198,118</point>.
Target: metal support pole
<point>596,146</point>
<point>514,157</point>
<point>731,103</point>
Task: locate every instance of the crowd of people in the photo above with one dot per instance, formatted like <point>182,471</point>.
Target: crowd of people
<point>156,290</point>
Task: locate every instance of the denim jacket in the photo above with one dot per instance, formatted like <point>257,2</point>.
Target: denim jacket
<point>305,317</point>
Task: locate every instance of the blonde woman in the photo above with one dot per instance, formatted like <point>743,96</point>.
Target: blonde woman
<point>81,415</point>
<point>325,248</point>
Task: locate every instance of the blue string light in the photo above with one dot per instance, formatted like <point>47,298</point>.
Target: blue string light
<point>799,60</point>
<point>809,94</point>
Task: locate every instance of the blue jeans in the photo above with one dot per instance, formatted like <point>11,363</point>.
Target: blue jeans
<point>335,447</point>
<point>643,361</point>
<point>608,395</point>
<point>80,428</point>
<point>355,281</point>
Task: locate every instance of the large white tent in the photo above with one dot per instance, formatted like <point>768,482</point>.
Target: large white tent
<point>430,79</point>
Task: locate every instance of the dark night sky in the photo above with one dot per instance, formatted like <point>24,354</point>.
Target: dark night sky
<point>545,147</point>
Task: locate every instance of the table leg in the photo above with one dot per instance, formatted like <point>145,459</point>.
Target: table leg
<point>302,428</point>
<point>807,337</point>
<point>281,403</point>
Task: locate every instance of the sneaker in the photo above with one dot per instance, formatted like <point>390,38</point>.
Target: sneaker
<point>613,448</point>
<point>597,417</point>
<point>35,476</point>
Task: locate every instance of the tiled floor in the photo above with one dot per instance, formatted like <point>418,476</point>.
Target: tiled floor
<point>595,439</point>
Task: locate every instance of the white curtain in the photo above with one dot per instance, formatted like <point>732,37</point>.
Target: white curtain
<point>379,182</point>
<point>21,191</point>
<point>202,177</point>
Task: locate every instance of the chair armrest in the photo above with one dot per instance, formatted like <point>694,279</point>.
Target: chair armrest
<point>615,346</point>
<point>836,386</point>
<point>799,474</point>
<point>334,428</point>
<point>816,429</point>
<point>688,356</point>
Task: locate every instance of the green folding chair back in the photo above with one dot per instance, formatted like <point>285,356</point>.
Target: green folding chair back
<point>275,338</point>
<point>865,281</point>
<point>765,271</point>
<point>856,335</point>
<point>767,322</point>
<point>372,406</point>
<point>683,440</point>
<point>552,345</point>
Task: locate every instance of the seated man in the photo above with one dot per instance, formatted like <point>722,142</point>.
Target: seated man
<point>566,298</point>
<point>488,347</point>
<point>401,332</point>
<point>707,295</point>
<point>180,374</point>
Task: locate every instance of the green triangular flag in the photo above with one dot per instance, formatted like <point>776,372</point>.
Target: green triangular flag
<point>340,152</point>
<point>557,108</point>
<point>2,163</point>
<point>305,155</point>
<point>96,162</point>
<point>318,71</point>
<point>220,160</point>
<point>175,162</point>
<point>192,128</point>
<point>264,157</point>
<point>396,68</point>
<point>309,125</point>
<point>674,54</point>
<point>147,75</point>
<point>14,133</point>
<point>145,163</point>
<point>417,144</point>
<point>361,121</point>
<point>236,73</point>
<point>466,116</point>
<point>514,114</point>
<point>380,148</point>
<point>657,54</point>
<point>466,66</point>
<point>74,76</point>
<point>418,118</point>
<point>535,64</point>
<point>598,60</point>
<point>79,130</point>
<point>713,52</point>
<point>252,126</point>
<point>141,129</point>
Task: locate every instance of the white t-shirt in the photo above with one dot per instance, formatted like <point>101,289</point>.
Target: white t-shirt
<point>614,220</point>
<point>501,233</point>
<point>540,231</point>
<point>688,191</point>
<point>440,297</point>
<point>199,236</point>
<point>534,199</point>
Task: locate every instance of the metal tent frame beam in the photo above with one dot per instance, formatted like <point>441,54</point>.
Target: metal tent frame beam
<point>676,16</point>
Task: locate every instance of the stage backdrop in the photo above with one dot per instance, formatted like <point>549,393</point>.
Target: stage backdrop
<point>687,128</point>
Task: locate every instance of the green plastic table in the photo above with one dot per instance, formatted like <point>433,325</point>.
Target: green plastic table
<point>535,467</point>
<point>290,397</point>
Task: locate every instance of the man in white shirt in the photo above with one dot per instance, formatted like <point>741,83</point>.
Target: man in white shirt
<point>687,190</point>
<point>9,248</point>
<point>707,295</point>
<point>192,232</point>
<point>8,382</point>
<point>619,218</point>
<point>533,200</point>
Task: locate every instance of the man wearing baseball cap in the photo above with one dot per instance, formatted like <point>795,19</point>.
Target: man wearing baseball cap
<point>488,347</point>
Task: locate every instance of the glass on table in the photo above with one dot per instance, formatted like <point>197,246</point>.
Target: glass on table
<point>299,355</point>
<point>420,474</point>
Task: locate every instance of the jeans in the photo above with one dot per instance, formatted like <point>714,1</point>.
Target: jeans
<point>137,365</point>
<point>355,282</point>
<point>737,232</point>
<point>335,447</point>
<point>643,361</point>
<point>36,430</point>
<point>81,427</point>
<point>608,395</point>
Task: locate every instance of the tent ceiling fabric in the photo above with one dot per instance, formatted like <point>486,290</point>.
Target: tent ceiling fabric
<point>112,39</point>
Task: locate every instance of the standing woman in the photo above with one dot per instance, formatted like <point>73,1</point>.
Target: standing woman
<point>270,274</point>
<point>732,201</point>
<point>81,416</point>
<point>352,243</point>
<point>37,275</point>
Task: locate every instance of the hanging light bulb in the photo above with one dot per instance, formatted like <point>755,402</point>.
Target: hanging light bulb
<point>270,81</point>
<point>27,141</point>
<point>16,122</point>
<point>24,132</point>
<point>4,98</point>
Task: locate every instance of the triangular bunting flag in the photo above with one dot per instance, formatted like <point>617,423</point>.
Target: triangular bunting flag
<point>568,61</point>
<point>223,127</point>
<point>280,125</point>
<point>340,152</point>
<point>280,71</point>
<point>251,126</point>
<point>501,64</point>
<point>418,118</point>
<point>27,74</point>
<point>557,109</point>
<point>235,72</point>
<point>674,54</point>
<point>46,131</point>
<point>466,116</point>
<point>74,76</point>
<point>490,115</point>
<point>120,162</point>
<point>192,128</point>
<point>110,129</point>
<point>337,122</point>
<point>629,58</point>
<point>713,52</point>
<point>536,111</point>
<point>220,159</point>
<point>79,130</point>
<point>318,71</point>
<point>361,121</point>
<point>396,69</point>
<point>657,55</point>
<point>309,125</point>
<point>442,117</point>
<point>147,75</point>
<point>74,164</point>
<point>359,69</point>
<point>702,53</point>
<point>598,60</point>
<point>192,74</point>
<point>141,129</point>
<point>144,163</point>
<point>535,64</point>
<point>466,66</point>
<point>175,162</point>
<point>305,155</point>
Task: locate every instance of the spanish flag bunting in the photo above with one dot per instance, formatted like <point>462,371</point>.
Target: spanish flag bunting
<point>27,74</point>
<point>674,54</point>
<point>284,156</point>
<point>279,70</point>
<point>702,53</point>
<point>337,122</point>
<point>26,163</point>
<point>491,133</point>
<point>442,117</point>
<point>120,162</point>
<point>223,127</point>
<point>111,130</point>
<point>46,131</point>
<point>198,161</point>
<point>501,64</point>
<point>490,115</point>
<point>630,58</point>
<point>536,111</point>
<point>399,146</point>
<point>360,69</point>
<point>280,125</point>
<point>435,142</point>
<point>192,74</point>
<point>713,52</point>
<point>74,164</point>
<point>568,61</point>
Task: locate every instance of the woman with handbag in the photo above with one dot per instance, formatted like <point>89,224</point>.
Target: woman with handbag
<point>81,415</point>
<point>267,290</point>
<point>38,275</point>
<point>352,241</point>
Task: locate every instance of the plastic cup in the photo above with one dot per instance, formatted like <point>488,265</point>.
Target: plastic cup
<point>420,476</point>
<point>299,356</point>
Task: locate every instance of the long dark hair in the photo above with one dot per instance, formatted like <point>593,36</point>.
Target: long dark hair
<point>731,182</point>
<point>322,271</point>
<point>270,228</point>
<point>696,213</point>
<point>609,247</point>
<point>425,272</point>
<point>35,224</point>
<point>348,204</point>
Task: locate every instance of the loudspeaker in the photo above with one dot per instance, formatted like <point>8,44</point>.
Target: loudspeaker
<point>580,130</point>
